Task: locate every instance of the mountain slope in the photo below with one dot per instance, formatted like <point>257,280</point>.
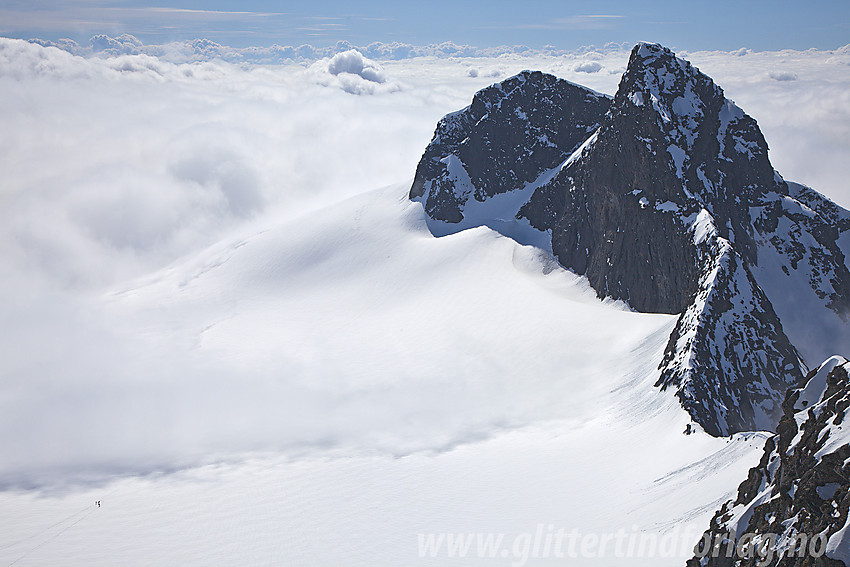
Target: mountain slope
<point>796,500</point>
<point>802,252</point>
<point>672,206</point>
<point>315,315</point>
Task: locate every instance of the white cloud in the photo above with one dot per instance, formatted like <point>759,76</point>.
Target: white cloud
<point>124,163</point>
<point>782,76</point>
<point>205,49</point>
<point>353,62</point>
<point>589,67</point>
<point>124,43</point>
<point>353,73</point>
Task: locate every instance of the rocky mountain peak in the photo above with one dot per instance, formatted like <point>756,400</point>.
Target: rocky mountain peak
<point>664,198</point>
<point>511,133</point>
<point>715,152</point>
<point>679,94</point>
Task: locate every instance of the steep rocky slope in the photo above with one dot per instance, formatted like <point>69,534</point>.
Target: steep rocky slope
<point>793,507</point>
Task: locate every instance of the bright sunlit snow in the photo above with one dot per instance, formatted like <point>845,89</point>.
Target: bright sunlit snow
<point>223,319</point>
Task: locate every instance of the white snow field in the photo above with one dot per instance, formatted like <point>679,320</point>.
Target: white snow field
<point>390,384</point>
<point>223,320</point>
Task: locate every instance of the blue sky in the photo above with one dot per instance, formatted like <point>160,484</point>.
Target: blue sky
<point>683,24</point>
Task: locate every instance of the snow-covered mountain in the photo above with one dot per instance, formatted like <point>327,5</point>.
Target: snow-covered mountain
<point>285,366</point>
<point>794,504</point>
<point>669,204</point>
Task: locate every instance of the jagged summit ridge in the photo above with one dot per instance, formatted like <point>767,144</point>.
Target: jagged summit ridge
<point>670,204</point>
<point>678,93</point>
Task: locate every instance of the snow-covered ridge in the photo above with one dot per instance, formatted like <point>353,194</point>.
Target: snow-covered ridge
<point>800,489</point>
<point>728,356</point>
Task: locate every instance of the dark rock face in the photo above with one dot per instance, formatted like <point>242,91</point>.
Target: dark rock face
<point>670,147</point>
<point>800,488</point>
<point>509,135</point>
<point>602,230</point>
<point>667,201</point>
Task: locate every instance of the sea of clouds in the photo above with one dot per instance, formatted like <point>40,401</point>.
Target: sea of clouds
<point>205,49</point>
<point>120,159</point>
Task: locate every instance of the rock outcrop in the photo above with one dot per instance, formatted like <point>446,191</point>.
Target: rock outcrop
<point>793,507</point>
